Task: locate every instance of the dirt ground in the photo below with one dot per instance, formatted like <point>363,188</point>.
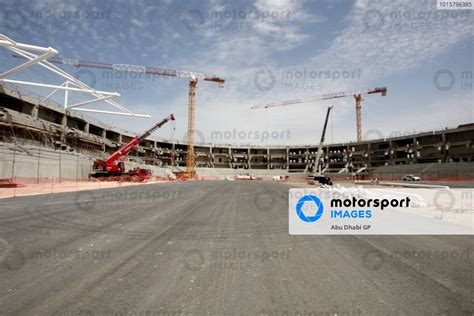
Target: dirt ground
<point>64,186</point>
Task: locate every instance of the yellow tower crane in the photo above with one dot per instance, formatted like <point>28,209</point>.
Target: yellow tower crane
<point>357,96</point>
<point>192,76</point>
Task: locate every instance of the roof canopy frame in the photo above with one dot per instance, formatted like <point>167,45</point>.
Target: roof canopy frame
<point>37,55</point>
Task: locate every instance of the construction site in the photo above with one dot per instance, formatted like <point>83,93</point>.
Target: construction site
<point>139,208</point>
<point>42,141</point>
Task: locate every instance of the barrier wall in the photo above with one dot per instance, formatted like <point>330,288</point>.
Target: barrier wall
<point>37,164</point>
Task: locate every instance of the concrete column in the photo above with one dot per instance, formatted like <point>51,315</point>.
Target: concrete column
<point>349,158</point>
<point>268,158</point>
<point>34,111</point>
<point>64,120</point>
<point>211,157</point>
<point>86,127</point>
<point>287,158</point>
<point>390,155</point>
<point>369,154</point>
<point>306,157</point>
<point>248,158</point>
<point>63,129</point>
<point>415,150</point>
<point>444,151</point>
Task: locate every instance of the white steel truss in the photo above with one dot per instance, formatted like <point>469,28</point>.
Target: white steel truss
<point>37,55</point>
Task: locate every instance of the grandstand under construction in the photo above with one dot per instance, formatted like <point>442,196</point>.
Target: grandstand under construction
<point>40,139</point>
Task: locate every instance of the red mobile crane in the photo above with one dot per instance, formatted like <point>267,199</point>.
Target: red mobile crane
<point>113,166</point>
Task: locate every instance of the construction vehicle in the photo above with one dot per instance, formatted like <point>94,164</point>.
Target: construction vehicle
<point>113,167</point>
<point>357,94</point>
<point>191,75</point>
<point>317,176</point>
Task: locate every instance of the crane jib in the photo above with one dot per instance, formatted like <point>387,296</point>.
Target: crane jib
<point>328,96</point>
<point>131,68</point>
<point>134,68</point>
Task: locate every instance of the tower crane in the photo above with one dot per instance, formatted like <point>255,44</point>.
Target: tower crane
<point>172,73</point>
<point>357,94</point>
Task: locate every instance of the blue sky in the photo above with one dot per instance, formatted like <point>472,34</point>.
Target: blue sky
<point>263,49</point>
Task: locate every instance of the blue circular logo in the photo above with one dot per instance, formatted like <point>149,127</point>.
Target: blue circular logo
<point>316,201</point>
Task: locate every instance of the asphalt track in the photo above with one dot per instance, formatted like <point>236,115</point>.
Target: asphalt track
<point>219,248</point>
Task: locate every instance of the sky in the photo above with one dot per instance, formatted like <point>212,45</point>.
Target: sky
<point>267,51</point>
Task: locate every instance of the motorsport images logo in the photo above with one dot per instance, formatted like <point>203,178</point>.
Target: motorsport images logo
<point>344,208</point>
<point>306,205</point>
<point>374,211</point>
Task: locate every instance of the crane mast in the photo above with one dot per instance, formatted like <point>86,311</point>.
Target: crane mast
<point>358,100</point>
<point>191,109</point>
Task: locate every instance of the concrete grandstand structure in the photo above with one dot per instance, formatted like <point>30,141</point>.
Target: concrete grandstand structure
<point>26,119</point>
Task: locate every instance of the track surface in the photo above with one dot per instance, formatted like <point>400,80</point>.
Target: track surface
<point>214,248</point>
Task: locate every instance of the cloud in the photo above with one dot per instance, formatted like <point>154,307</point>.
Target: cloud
<point>385,37</point>
<point>398,46</point>
<point>382,39</point>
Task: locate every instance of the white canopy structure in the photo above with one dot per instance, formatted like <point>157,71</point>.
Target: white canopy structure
<point>37,55</point>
